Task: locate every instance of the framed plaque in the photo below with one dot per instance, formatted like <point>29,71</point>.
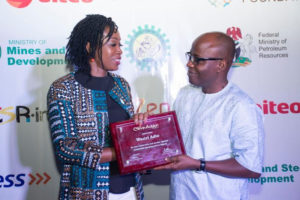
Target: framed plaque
<point>145,147</point>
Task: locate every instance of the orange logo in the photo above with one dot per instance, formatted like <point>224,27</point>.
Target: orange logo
<point>19,3</point>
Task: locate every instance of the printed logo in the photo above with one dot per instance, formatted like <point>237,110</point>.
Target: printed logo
<point>271,107</point>
<point>18,54</point>
<point>244,47</point>
<point>22,114</point>
<point>147,47</point>
<point>39,178</point>
<point>6,115</point>
<point>0,52</point>
<point>18,180</point>
<point>268,1</point>
<point>19,3</point>
<point>25,3</point>
<point>273,174</point>
<point>219,3</point>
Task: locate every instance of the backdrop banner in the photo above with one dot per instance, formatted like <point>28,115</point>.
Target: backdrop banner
<point>155,36</point>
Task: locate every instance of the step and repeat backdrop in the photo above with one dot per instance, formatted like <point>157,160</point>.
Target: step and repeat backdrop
<point>155,36</point>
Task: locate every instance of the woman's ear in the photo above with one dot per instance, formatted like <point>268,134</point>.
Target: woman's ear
<point>87,47</point>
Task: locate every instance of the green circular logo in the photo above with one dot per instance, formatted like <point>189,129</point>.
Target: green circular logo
<point>147,47</point>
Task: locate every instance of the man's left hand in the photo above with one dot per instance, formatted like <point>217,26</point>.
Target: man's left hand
<point>180,162</point>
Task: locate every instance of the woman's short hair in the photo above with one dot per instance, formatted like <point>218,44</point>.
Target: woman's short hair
<point>88,30</point>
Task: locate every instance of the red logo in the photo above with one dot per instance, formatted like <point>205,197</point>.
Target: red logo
<point>235,33</point>
<point>19,3</point>
<point>24,3</point>
<point>243,46</point>
<point>270,107</point>
<point>39,178</point>
<point>66,1</point>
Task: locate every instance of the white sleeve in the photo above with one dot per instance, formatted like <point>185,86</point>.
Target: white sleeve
<point>247,136</point>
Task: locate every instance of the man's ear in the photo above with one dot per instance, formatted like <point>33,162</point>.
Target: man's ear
<point>222,65</point>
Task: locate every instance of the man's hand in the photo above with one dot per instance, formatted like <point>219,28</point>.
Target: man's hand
<point>181,162</point>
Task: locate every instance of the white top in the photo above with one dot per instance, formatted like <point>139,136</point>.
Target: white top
<point>217,126</point>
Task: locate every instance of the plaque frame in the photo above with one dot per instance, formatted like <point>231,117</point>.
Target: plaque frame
<point>145,147</point>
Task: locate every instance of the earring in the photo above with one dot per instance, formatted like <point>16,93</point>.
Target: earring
<point>92,60</point>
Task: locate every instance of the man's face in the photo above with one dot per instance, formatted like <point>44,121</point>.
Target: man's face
<point>204,72</point>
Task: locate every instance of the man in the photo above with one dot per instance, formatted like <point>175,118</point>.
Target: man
<point>222,128</point>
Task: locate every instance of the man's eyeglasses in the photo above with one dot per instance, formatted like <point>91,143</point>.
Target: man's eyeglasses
<point>195,60</point>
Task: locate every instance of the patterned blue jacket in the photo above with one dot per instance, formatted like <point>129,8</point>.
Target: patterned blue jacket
<point>79,127</point>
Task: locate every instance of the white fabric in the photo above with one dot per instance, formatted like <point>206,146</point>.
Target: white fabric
<point>130,195</point>
<point>216,127</point>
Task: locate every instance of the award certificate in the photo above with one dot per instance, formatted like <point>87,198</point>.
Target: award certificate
<point>145,147</point>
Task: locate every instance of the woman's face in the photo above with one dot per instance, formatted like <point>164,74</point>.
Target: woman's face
<point>111,52</point>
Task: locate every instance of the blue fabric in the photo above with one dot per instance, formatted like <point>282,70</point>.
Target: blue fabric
<point>78,121</point>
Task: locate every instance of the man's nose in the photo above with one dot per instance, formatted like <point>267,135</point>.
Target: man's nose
<point>190,64</point>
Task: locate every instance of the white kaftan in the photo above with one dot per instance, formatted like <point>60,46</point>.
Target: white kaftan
<point>217,126</point>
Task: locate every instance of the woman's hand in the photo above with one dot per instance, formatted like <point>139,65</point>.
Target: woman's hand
<point>108,155</point>
<point>140,118</point>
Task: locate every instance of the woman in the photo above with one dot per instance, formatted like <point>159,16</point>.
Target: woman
<point>80,107</point>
